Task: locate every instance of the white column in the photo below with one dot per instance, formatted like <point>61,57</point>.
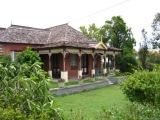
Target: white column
<point>80,66</point>
<point>104,67</point>
<point>64,73</point>
<point>114,61</point>
<point>49,65</point>
<point>93,65</point>
<point>12,55</point>
<point>108,69</point>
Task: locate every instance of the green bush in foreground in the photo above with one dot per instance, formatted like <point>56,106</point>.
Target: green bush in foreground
<point>143,87</point>
<point>28,56</point>
<point>4,59</point>
<point>131,112</point>
<point>25,88</point>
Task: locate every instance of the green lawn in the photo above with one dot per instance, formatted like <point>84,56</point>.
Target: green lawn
<point>92,102</point>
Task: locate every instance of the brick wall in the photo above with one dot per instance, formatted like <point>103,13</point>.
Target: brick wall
<point>6,48</point>
<point>72,70</point>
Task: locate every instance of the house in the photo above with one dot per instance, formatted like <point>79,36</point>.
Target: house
<point>65,52</point>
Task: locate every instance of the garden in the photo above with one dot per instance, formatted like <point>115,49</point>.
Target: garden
<point>25,86</point>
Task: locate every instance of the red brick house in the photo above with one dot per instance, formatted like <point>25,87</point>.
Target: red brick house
<point>65,52</point>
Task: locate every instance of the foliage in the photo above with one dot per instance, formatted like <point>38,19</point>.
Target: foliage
<point>143,87</point>
<point>25,87</point>
<point>154,57</point>
<point>127,63</point>
<point>143,52</point>
<point>94,32</point>
<point>11,114</point>
<point>117,34</point>
<point>121,37</point>
<point>28,56</point>
<point>5,59</point>
<point>131,112</point>
<point>156,31</point>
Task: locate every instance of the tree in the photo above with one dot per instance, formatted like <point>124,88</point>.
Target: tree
<point>120,36</point>
<point>143,52</point>
<point>94,32</point>
<point>156,31</point>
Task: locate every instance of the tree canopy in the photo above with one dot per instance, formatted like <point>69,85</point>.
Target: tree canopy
<point>116,33</point>
<point>156,31</point>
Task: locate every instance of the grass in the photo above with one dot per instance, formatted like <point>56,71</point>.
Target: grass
<point>74,82</point>
<point>90,103</point>
<point>53,84</point>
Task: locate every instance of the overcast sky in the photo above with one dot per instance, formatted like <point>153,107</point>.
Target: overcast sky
<point>138,14</point>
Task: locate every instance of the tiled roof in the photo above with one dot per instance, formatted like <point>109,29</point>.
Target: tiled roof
<point>2,30</point>
<point>22,34</point>
<point>61,35</point>
<point>65,32</point>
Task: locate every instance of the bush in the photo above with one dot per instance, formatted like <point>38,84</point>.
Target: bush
<point>143,87</point>
<point>16,114</point>
<point>127,64</point>
<point>11,114</point>
<point>25,87</point>
<point>131,112</point>
<point>5,59</point>
<point>28,56</point>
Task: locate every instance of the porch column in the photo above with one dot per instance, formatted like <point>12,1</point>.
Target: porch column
<point>80,66</point>
<point>104,67</point>
<point>93,65</point>
<point>64,73</point>
<point>114,61</point>
<point>49,65</point>
<point>108,69</point>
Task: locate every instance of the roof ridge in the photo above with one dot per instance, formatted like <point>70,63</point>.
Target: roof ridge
<point>2,28</point>
<point>56,26</point>
<point>27,27</point>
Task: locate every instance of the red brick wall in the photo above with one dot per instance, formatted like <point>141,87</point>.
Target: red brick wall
<point>7,47</point>
<point>72,71</point>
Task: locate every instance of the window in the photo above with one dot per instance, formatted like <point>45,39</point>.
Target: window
<point>73,61</point>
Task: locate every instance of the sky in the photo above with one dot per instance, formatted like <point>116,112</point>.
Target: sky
<point>137,14</point>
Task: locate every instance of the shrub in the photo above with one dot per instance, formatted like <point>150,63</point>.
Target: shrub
<point>25,87</point>
<point>11,114</point>
<point>130,112</point>
<point>143,87</point>
<point>127,63</point>
<point>28,56</point>
<point>5,59</point>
